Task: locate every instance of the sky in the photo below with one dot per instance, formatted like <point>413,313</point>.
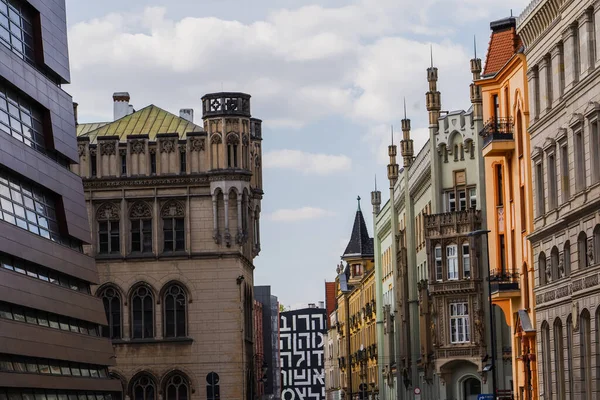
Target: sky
<point>327,78</point>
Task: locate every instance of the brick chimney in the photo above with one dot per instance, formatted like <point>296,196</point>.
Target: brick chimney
<point>121,105</point>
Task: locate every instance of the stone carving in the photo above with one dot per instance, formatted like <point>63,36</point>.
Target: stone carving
<point>561,267</point>
<point>215,139</point>
<point>339,268</point>
<point>167,146</point>
<point>140,210</point>
<point>92,151</point>
<point>590,254</point>
<point>182,148</point>
<point>480,327</point>
<point>108,211</point>
<point>245,140</point>
<point>239,238</point>
<point>152,150</point>
<point>122,152</point>
<point>548,272</point>
<point>81,149</point>
<point>233,138</point>
<point>197,144</point>
<point>227,238</point>
<point>107,149</point>
<point>172,208</point>
<point>138,146</point>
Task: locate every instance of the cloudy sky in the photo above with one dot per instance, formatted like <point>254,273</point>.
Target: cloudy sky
<point>327,78</point>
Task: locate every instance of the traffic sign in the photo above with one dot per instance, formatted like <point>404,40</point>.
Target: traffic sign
<point>417,390</point>
<point>486,396</point>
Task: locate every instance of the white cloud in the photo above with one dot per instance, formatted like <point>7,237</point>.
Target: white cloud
<point>307,163</point>
<point>298,214</point>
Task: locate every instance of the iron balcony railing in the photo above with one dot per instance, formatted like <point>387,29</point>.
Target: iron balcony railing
<point>497,129</point>
<point>503,281</point>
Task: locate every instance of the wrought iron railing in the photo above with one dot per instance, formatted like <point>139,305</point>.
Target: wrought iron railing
<point>502,281</point>
<point>497,129</point>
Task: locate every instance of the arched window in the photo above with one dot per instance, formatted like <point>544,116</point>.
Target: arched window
<point>112,307</point>
<point>596,244</point>
<point>570,366</point>
<point>245,152</point>
<point>108,229</point>
<point>248,308</point>
<point>462,152</point>
<point>466,261</point>
<point>116,376</point>
<point>455,152</point>
<point>452,261</point>
<point>566,260</point>
<point>233,141</point>
<point>142,313</point>
<point>173,216</point>
<point>519,129</point>
<point>213,392</point>
<point>143,388</point>
<point>559,360</point>
<point>546,361</point>
<point>177,388</point>
<point>525,274</point>
<point>542,268</point>
<point>215,150</point>
<point>585,354</point>
<point>175,311</point>
<point>140,217</point>
<point>554,263</point>
<point>582,257</point>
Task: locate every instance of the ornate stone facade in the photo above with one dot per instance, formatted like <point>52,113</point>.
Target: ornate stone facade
<point>175,230</point>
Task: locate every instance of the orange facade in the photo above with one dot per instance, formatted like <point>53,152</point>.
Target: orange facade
<point>506,151</point>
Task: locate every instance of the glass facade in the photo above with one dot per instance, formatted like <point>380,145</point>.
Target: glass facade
<point>31,365</point>
<point>20,119</point>
<point>16,29</point>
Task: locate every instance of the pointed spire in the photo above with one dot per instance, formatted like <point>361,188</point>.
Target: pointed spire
<point>404,107</point>
<point>431,51</point>
<point>360,244</point>
<point>475,46</point>
<point>375,182</point>
<point>392,135</point>
<point>358,199</point>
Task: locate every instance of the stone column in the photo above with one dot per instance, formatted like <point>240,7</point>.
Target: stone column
<point>216,235</point>
<point>585,61</point>
<point>569,57</point>
<point>557,66</point>
<point>596,38</point>
<point>542,76</point>
<point>533,95</point>
<point>226,207</point>
<point>240,232</point>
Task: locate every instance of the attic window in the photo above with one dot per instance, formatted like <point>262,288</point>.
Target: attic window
<point>356,269</point>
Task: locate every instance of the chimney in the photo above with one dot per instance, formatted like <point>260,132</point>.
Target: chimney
<point>130,110</point>
<point>187,114</point>
<point>75,112</point>
<point>121,105</point>
<point>312,305</point>
<point>321,304</point>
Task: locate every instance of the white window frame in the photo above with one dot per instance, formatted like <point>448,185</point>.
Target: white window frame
<point>439,270</point>
<point>472,197</point>
<point>459,323</point>
<point>452,262</point>
<point>451,196</point>
<point>466,260</point>
<point>462,202</point>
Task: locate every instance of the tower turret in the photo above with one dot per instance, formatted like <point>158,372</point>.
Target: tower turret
<point>433,96</point>
<point>406,144</point>
<point>393,165</point>
<point>376,199</point>
<point>476,90</point>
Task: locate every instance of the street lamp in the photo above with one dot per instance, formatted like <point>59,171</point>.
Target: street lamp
<point>492,367</point>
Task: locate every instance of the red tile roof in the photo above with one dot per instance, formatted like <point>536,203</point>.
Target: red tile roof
<point>329,298</point>
<point>504,43</point>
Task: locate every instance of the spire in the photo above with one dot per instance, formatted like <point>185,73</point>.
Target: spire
<point>376,198</point>
<point>404,107</point>
<point>392,166</point>
<point>431,52</point>
<point>375,182</point>
<point>475,90</point>
<point>433,97</point>
<point>360,244</point>
<point>406,144</point>
<point>475,46</point>
<point>358,199</point>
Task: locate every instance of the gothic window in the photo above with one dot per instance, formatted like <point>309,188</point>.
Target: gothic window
<point>112,307</point>
<point>579,160</point>
<point>552,187</point>
<point>570,365</point>
<point>124,164</point>
<point>459,323</point>
<point>175,311</point>
<point>140,217</point>
<point>582,256</point>
<point>108,229</point>
<point>554,263</point>
<point>153,163</point>
<point>546,361</point>
<point>215,150</point>
<point>585,351</point>
<point>455,151</point>
<point>245,151</point>
<point>233,141</point>
<point>438,263</point>
<point>142,313</point>
<point>542,268</point>
<point>452,261</point>
<point>567,258</point>
<point>213,391</point>
<point>539,184</point>
<point>93,164</point>
<point>143,388</point>
<point>559,370</point>
<point>466,260</point>
<point>595,153</point>
<point>183,162</point>
<point>596,244</point>
<point>177,388</point>
<point>173,216</point>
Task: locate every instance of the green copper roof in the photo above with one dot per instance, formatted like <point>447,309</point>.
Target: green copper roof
<point>149,121</point>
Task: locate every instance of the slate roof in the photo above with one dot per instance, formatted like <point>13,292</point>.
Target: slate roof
<point>360,245</point>
<point>504,43</point>
<point>150,120</point>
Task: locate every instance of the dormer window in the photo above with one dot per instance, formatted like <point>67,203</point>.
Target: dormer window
<point>356,269</point>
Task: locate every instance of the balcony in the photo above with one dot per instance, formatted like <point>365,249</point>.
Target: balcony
<point>452,223</point>
<point>504,282</point>
<point>498,137</point>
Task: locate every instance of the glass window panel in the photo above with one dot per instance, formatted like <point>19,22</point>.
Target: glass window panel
<point>55,369</point>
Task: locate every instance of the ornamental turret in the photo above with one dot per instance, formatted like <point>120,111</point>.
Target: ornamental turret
<point>406,144</point>
<point>393,165</point>
<point>433,96</point>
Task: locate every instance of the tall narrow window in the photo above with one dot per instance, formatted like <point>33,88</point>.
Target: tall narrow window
<point>579,160</point>
<point>585,351</point>
<point>112,308</point>
<point>559,357</point>
<point>570,365</point>
<point>462,200</point>
<point>452,261</point>
<point>575,60</point>
<point>554,263</point>
<point>523,211</point>
<point>438,263</point>
<point>519,130</point>
<point>175,311</point>
<point>539,184</point>
<point>466,260</point>
<point>451,201</point>
<point>233,142</point>
<point>582,255</point>
<point>142,313</point>
<point>567,258</point>
<point>552,190</point>
<point>549,73</point>
<point>499,186</point>
<point>108,229</point>
<point>182,162</point>
<point>153,163</point>
<point>536,91</point>
<point>496,103</point>
<point>93,165</point>
<point>547,363</point>
<point>213,391</point>
<point>542,268</point>
<point>173,226</point>
<point>459,323</point>
<point>141,227</point>
<point>473,198</point>
<point>564,169</point>
<point>595,153</point>
<point>455,151</point>
<point>143,388</point>
<point>123,164</point>
<point>502,249</point>
<point>561,70</point>
<point>177,388</point>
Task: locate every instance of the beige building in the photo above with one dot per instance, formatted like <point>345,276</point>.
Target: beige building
<point>174,209</point>
<point>561,48</point>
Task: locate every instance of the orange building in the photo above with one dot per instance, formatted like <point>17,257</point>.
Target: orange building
<point>506,151</point>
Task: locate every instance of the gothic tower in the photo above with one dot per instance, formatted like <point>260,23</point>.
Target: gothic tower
<point>434,107</point>
<point>406,144</point>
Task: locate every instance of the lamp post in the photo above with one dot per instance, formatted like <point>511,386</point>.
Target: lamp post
<point>476,234</point>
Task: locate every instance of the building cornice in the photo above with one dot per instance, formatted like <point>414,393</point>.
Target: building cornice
<point>165,180</point>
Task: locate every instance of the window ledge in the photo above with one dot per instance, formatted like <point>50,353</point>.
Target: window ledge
<point>104,256</point>
<point>179,253</point>
<point>137,254</point>
<point>152,340</point>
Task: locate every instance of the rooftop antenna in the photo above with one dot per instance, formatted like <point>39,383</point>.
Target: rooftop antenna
<point>431,51</point>
<point>392,135</point>
<point>405,107</point>
<point>375,182</point>
<point>511,12</point>
<point>475,46</point>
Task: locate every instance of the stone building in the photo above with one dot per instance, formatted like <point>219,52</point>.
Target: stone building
<point>434,326</point>
<point>174,211</point>
<point>260,363</point>
<point>50,343</point>
<point>508,196</point>
<point>563,70</point>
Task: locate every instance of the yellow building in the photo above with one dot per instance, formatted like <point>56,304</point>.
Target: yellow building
<point>356,314</point>
<point>506,150</point>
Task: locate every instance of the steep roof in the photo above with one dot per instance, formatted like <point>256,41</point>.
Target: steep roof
<point>150,120</point>
<point>360,245</point>
<point>504,43</point>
